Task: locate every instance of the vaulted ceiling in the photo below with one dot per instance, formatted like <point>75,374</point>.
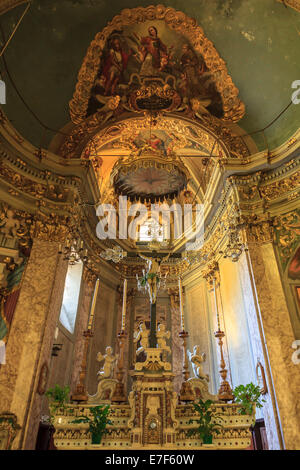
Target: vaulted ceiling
<point>259,41</point>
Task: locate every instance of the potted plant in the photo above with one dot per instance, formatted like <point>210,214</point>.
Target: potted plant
<point>206,422</point>
<point>58,397</point>
<point>97,424</point>
<point>248,396</point>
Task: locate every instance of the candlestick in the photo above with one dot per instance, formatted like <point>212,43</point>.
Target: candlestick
<point>124,305</point>
<point>91,317</point>
<point>181,305</point>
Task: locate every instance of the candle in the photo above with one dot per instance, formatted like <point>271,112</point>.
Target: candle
<point>56,333</point>
<point>181,305</point>
<point>124,304</point>
<point>90,323</point>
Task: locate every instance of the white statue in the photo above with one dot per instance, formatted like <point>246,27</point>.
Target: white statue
<point>197,359</point>
<point>107,370</point>
<point>161,336</point>
<point>143,337</point>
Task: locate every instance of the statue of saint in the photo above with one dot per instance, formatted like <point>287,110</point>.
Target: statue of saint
<point>107,370</point>
<point>161,336</point>
<point>143,337</point>
<point>197,359</point>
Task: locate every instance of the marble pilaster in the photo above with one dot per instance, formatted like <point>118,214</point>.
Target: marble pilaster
<point>278,336</point>
<point>176,341</point>
<point>30,341</point>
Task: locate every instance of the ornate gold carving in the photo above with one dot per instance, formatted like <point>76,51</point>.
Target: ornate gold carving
<point>8,430</point>
<point>281,187</point>
<point>212,274</point>
<point>291,3</point>
<point>37,190</point>
<point>177,21</point>
<point>259,229</point>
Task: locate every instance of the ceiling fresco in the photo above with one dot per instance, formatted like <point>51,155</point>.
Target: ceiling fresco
<point>152,50</point>
<point>259,42</point>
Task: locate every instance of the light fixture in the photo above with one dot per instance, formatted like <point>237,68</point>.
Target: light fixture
<point>73,251</point>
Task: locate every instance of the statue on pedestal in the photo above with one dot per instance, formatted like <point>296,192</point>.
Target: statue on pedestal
<point>107,384</point>
<point>197,359</point>
<point>199,383</point>
<point>109,359</point>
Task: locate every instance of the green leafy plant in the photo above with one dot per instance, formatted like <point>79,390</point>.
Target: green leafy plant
<point>97,424</point>
<point>206,422</point>
<point>58,397</point>
<point>247,396</point>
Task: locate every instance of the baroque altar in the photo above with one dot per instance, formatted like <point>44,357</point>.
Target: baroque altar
<point>153,417</point>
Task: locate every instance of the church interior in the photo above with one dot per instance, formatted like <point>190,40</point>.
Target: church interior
<point>149,225</point>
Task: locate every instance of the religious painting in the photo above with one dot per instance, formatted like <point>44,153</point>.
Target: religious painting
<point>152,51</point>
<point>294,267</point>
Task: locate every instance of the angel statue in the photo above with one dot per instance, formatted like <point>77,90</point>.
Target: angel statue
<point>107,369</point>
<point>143,336</point>
<point>197,359</point>
<point>151,278</point>
<point>161,336</point>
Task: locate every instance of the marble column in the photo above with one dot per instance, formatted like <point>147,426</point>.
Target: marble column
<point>176,345</point>
<point>30,342</point>
<point>278,335</point>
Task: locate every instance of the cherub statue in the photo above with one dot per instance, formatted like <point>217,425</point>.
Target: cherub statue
<point>161,336</point>
<point>143,337</point>
<point>9,225</point>
<point>106,371</point>
<point>197,359</point>
<point>152,275</point>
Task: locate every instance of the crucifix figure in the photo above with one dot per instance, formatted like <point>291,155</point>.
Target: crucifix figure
<point>151,279</point>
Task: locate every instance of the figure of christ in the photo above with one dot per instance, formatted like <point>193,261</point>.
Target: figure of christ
<point>143,337</point>
<point>114,66</point>
<point>106,371</point>
<point>152,275</point>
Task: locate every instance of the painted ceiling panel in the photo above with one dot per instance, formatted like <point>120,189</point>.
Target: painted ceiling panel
<point>259,41</point>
